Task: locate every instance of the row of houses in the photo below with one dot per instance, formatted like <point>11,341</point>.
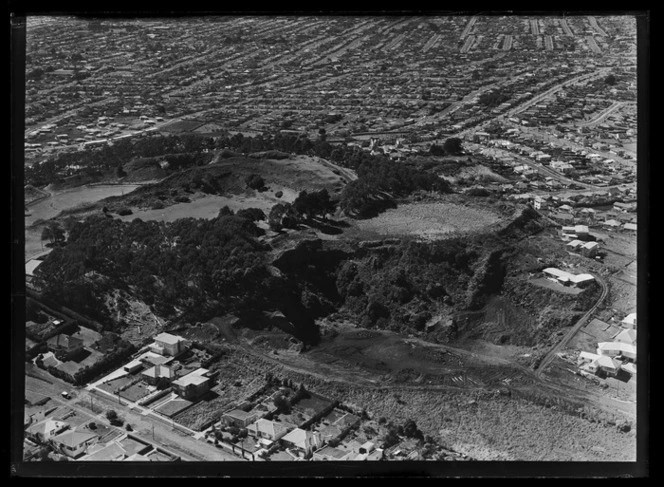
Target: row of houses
<point>157,369</point>
<point>612,357</point>
<point>86,445</point>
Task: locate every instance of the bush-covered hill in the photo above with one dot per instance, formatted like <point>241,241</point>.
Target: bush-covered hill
<point>192,270</point>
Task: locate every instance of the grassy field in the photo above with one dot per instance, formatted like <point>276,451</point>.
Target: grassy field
<point>60,201</point>
<point>428,220</point>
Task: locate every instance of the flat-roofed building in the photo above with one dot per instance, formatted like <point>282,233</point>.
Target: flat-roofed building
<point>167,344</point>
<point>566,278</point>
<point>617,349</point>
<point>192,386</point>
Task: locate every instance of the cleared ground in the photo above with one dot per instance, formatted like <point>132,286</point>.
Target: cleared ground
<point>428,220</point>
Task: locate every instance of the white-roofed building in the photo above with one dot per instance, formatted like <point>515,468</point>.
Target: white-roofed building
<point>73,443</point>
<point>617,349</point>
<point>167,344</point>
<point>589,249</point>
<point>44,430</point>
<point>626,336</point>
<point>269,430</point>
<point>192,386</point>
<point>629,367</point>
<point>303,440</point>
<point>158,374</point>
<point>608,365</point>
<point>630,320</point>
<point>574,245</point>
<point>566,278</point>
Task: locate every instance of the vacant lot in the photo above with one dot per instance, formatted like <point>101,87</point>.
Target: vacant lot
<point>113,385</point>
<point>135,392</point>
<point>428,220</point>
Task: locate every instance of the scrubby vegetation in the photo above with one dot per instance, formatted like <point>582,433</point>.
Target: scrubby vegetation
<point>380,181</point>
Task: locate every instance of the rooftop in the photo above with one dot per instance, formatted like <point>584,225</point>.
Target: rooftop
<point>110,452</point>
<point>64,341</point>
<point>191,379</point>
<point>74,438</point>
<point>168,339</point>
<point>330,451</point>
<point>238,414</point>
<point>31,265</point>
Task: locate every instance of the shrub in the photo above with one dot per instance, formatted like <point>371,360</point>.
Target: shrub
<point>124,211</point>
<point>254,181</point>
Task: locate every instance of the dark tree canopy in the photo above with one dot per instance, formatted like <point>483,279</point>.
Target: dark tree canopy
<point>452,146</point>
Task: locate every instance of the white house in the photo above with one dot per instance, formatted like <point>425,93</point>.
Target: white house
<point>626,336</point>
<point>44,430</point>
<point>589,249</point>
<point>588,361</point>
<point>269,430</point>
<point>574,245</point>
<point>606,364</point>
<point>566,278</point>
<point>73,443</point>
<point>617,349</point>
<point>305,441</point>
<point>630,321</point>
<point>167,344</point>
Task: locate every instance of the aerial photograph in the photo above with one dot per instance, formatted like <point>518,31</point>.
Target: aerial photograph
<point>377,240</point>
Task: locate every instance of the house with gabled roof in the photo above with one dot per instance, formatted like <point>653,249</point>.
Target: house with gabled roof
<point>43,431</point>
<point>269,430</point>
<point>630,321</point>
<point>302,440</point>
<point>65,347</point>
<point>626,336</point>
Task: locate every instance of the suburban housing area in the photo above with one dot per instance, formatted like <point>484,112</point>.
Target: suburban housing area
<point>331,239</point>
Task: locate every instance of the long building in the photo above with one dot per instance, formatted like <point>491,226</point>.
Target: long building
<point>566,278</point>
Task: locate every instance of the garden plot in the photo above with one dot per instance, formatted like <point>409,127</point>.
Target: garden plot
<point>173,406</point>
